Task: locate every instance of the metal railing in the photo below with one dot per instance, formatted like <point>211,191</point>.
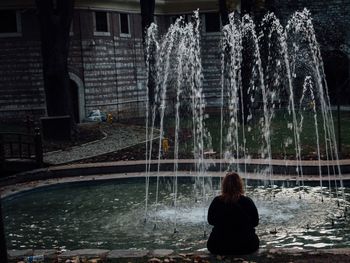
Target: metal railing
<point>21,146</point>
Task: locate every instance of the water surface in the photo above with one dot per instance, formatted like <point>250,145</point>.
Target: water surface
<point>111,215</point>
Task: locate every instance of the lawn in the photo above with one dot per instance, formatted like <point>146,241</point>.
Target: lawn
<point>281,135</point>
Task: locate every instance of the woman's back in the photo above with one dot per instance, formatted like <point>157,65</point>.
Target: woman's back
<point>234,221</point>
<point>239,214</point>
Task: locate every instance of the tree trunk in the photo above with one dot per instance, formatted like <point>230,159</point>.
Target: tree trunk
<point>55,20</point>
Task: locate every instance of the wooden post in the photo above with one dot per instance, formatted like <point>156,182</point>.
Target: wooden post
<point>3,247</point>
<point>38,147</point>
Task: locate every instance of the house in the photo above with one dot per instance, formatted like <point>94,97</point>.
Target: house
<point>106,58</point>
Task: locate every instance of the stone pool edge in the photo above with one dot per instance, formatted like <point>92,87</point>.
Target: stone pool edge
<point>186,166</point>
<point>168,255</point>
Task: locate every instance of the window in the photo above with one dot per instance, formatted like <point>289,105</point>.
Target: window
<point>10,23</point>
<point>124,25</point>
<point>212,22</point>
<point>101,23</point>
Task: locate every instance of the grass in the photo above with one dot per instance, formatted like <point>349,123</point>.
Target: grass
<point>281,135</point>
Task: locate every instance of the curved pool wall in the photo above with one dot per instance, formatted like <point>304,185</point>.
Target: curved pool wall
<point>283,170</point>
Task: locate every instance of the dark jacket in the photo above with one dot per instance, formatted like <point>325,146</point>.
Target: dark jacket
<point>234,226</point>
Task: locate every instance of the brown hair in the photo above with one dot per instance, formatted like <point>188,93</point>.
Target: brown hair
<point>232,187</point>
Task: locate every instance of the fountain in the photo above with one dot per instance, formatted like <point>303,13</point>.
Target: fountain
<point>265,113</point>
<point>286,82</point>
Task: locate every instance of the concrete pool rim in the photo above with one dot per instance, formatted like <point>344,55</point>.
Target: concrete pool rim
<point>284,171</point>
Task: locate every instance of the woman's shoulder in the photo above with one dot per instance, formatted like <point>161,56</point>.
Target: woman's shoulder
<point>216,202</point>
<point>245,199</point>
<point>218,199</point>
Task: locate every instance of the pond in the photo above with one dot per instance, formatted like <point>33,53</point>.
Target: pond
<point>111,215</point>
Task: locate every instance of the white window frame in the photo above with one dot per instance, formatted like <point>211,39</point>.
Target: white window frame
<point>120,26</point>
<point>18,24</point>
<point>101,33</point>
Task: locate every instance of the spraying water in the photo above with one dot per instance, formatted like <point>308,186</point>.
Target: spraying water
<point>261,75</point>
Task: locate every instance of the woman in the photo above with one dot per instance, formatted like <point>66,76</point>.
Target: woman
<point>234,217</point>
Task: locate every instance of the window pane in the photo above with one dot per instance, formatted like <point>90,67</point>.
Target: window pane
<point>124,24</point>
<point>212,22</point>
<point>101,22</point>
<point>8,21</point>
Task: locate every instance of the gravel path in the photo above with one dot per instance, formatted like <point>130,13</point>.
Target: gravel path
<point>117,137</point>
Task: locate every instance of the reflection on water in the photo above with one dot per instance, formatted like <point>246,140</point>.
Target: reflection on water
<point>111,215</point>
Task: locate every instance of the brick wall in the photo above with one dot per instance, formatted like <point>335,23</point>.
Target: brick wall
<point>111,68</point>
<point>331,21</point>
<point>330,18</point>
<point>211,63</point>
<point>21,83</point>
